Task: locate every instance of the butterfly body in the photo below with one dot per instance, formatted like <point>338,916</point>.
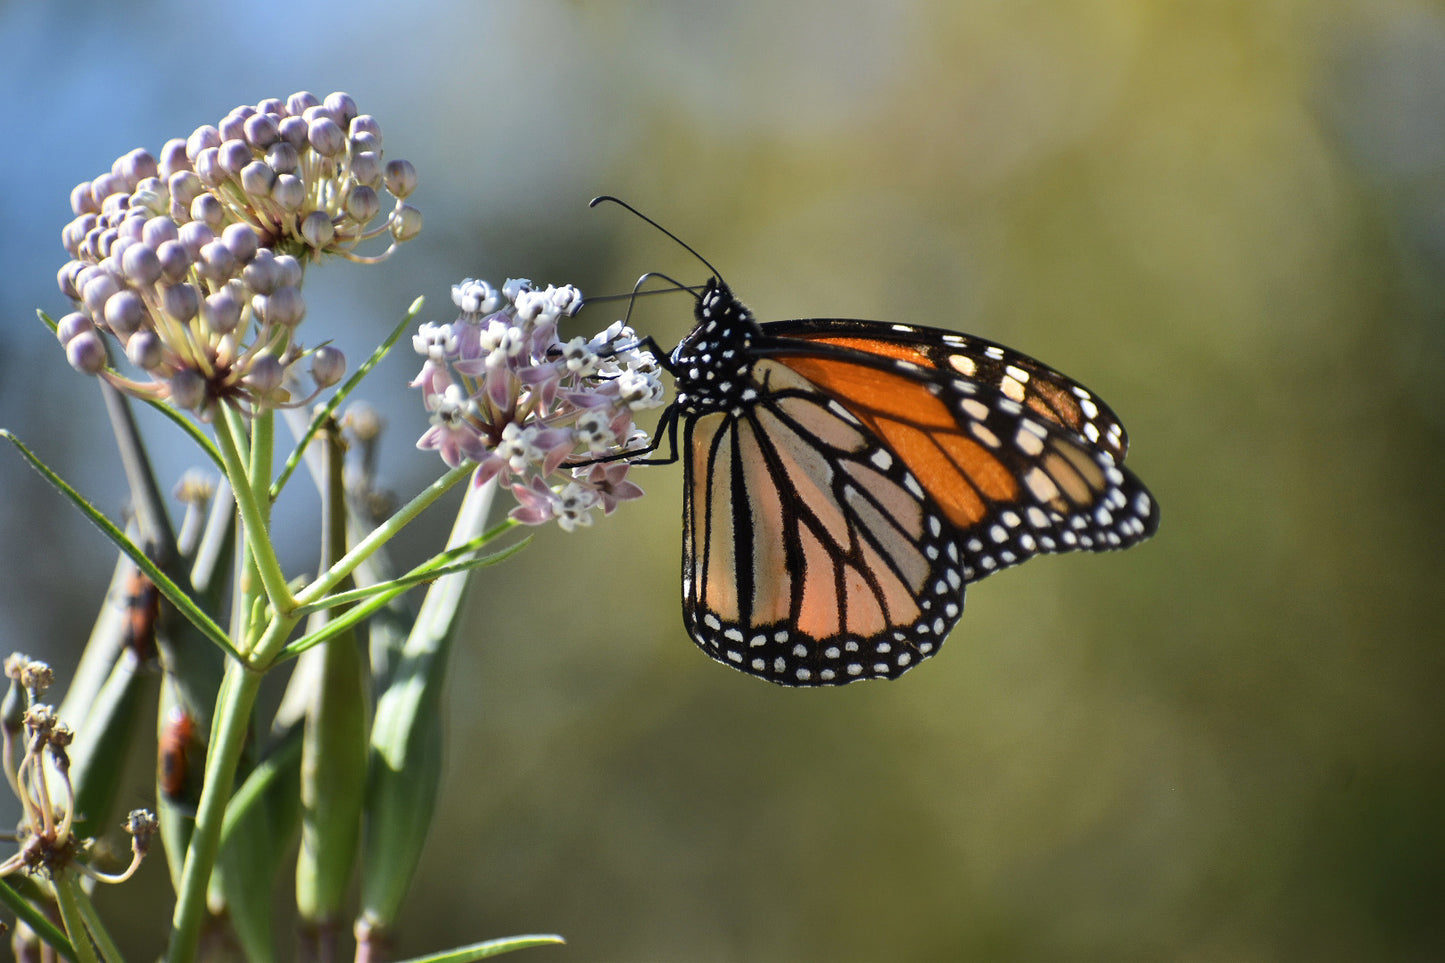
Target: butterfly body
<point>712,365</point>
<point>845,480</point>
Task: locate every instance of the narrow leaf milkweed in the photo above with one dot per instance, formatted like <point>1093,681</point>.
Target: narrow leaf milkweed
<point>845,480</point>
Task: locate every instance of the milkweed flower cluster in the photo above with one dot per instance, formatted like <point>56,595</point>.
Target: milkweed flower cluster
<point>193,262</point>
<point>504,390</point>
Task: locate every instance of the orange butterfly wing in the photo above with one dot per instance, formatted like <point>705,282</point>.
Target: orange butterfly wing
<point>844,480</point>
<point>810,556</point>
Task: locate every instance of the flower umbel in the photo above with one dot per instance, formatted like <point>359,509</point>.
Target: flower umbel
<point>193,262</point>
<point>504,390</point>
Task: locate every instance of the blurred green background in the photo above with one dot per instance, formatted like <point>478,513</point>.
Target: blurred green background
<point>1228,218</point>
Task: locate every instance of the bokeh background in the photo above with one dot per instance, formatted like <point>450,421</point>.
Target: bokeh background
<point>1228,217</point>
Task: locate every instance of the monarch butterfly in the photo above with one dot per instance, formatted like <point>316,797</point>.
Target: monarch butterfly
<point>845,480</point>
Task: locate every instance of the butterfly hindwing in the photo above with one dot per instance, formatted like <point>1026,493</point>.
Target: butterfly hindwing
<point>811,556</point>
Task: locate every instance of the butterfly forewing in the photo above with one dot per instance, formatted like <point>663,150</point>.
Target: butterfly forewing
<point>1048,393</point>
<point>1011,483</point>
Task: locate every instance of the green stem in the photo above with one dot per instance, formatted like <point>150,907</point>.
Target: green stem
<point>260,781</point>
<point>254,514</point>
<point>381,535</point>
<point>96,927</point>
<point>263,445</point>
<point>460,559</point>
<point>271,642</point>
<point>379,596</point>
<point>228,737</point>
<point>67,897</point>
<point>353,616</point>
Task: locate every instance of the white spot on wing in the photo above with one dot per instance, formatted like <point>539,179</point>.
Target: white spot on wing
<point>964,365</point>
<point>1029,443</point>
<point>983,434</point>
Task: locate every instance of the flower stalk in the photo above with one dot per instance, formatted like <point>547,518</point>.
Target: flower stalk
<point>255,517</point>
<point>234,703</point>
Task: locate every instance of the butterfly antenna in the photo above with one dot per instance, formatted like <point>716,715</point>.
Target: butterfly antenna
<point>632,297</point>
<point>675,239</point>
<point>639,292</point>
<point>636,291</point>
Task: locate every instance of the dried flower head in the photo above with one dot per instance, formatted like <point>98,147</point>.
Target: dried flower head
<point>504,390</point>
<point>37,762</point>
<point>141,825</point>
<point>34,753</point>
<point>193,262</point>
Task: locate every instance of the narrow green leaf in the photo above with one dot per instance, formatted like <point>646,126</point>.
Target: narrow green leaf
<point>387,626</point>
<point>406,737</point>
<point>465,561</point>
<point>36,920</point>
<point>333,755</point>
<point>347,620</point>
<point>67,899</point>
<point>383,533</point>
<point>329,409</point>
<point>392,590</point>
<point>481,951</point>
<point>104,942</point>
<point>152,519</point>
<point>257,839</point>
<point>445,563</point>
<point>168,588</point>
<point>110,725</point>
<point>280,768</point>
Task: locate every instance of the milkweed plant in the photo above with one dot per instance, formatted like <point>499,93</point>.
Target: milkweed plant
<point>186,271</point>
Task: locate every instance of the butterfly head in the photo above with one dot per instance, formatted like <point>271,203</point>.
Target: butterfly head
<point>711,365</point>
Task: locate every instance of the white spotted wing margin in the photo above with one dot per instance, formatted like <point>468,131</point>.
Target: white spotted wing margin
<point>811,556</point>
<point>1020,459</point>
<point>1044,390</point>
